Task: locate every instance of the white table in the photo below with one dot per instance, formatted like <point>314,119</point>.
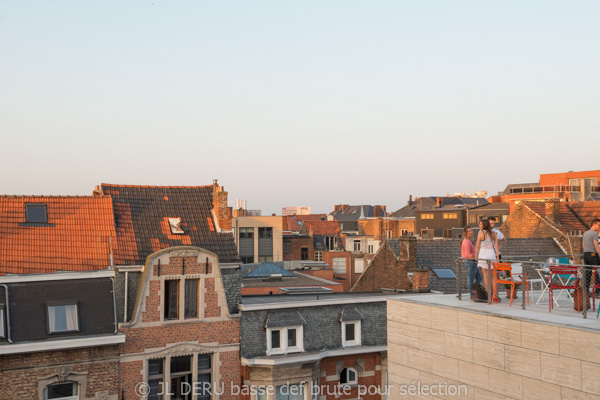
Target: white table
<point>544,274</point>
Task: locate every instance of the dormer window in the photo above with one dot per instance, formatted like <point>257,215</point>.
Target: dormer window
<point>36,214</point>
<point>175,225</point>
<point>63,318</point>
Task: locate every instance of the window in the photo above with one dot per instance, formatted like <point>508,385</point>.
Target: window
<point>339,265</point>
<point>473,219</point>
<point>426,216</point>
<point>63,318</point>
<point>156,379</point>
<point>330,242</point>
<point>318,256</point>
<point>357,245</point>
<point>265,233</point>
<point>204,376</point>
<point>350,333</point>
<point>265,259</point>
<point>246,233</point>
<point>191,298</point>
<point>287,248</point>
<point>370,249</point>
<point>171,299</point>
<point>247,259</point>
<point>289,392</point>
<point>359,265</point>
<point>2,321</point>
<point>304,253</point>
<point>348,376</point>
<point>175,225</point>
<point>285,340</point>
<point>62,391</point>
<point>36,213</point>
<point>181,377</point>
<point>181,374</point>
<point>444,273</point>
<point>450,215</point>
<point>404,232</point>
<point>388,234</point>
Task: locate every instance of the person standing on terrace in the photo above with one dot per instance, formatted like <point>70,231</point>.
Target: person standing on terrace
<point>467,252</point>
<point>486,251</point>
<point>499,235</point>
<point>591,251</point>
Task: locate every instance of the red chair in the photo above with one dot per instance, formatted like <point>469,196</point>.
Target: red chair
<point>506,275</point>
<point>556,280</point>
<point>595,284</point>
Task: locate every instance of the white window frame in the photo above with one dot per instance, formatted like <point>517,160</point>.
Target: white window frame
<point>357,338</point>
<point>348,381</point>
<point>370,249</point>
<point>62,304</point>
<point>1,321</point>
<point>357,245</point>
<point>318,256</point>
<point>283,338</point>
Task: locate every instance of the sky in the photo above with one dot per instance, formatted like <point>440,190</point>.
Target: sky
<point>297,103</point>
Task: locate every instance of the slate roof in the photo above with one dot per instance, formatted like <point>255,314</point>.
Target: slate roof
<point>353,213</point>
<point>278,318</point>
<point>569,221</point>
<point>233,288</point>
<point>76,237</point>
<point>142,221</point>
<point>295,279</point>
<point>350,313</point>
<point>394,245</point>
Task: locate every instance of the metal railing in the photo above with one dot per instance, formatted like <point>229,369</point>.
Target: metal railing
<point>537,269</point>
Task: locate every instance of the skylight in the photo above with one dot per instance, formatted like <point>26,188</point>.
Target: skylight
<point>175,225</point>
<point>36,213</point>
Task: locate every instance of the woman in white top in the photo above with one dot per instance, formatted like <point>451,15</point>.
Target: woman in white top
<point>486,252</point>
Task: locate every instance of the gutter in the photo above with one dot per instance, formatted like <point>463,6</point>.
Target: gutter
<point>7,313</point>
<point>115,305</point>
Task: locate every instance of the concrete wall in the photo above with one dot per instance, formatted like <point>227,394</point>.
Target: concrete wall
<point>495,357</point>
<point>275,222</point>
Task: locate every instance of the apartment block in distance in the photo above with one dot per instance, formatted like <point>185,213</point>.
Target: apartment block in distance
<point>259,239</point>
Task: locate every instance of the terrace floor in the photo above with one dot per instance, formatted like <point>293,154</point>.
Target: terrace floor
<point>564,315</point>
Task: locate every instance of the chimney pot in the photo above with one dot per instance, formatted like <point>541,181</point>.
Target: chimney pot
<point>552,210</point>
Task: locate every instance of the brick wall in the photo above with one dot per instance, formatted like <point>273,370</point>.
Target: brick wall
<point>296,248</point>
<point>213,331</point>
<point>369,368</point>
<point>20,374</point>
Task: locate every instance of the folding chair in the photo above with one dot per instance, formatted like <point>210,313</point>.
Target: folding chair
<point>556,280</point>
<point>506,275</point>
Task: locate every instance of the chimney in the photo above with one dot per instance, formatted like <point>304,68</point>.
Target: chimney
<point>336,208</point>
<point>440,201</point>
<point>222,212</point>
<point>553,210</point>
<point>410,200</point>
<point>344,207</point>
<point>97,192</point>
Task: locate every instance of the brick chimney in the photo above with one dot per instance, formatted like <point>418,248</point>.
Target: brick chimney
<point>410,200</point>
<point>379,211</point>
<point>553,210</point>
<point>222,212</point>
<point>336,208</point>
<point>345,207</point>
<point>440,202</point>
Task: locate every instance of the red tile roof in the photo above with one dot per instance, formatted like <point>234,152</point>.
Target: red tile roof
<point>569,221</point>
<point>322,227</point>
<point>76,237</point>
<point>586,211</point>
<point>294,222</point>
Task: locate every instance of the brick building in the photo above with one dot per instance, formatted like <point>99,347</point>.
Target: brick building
<point>177,276</point>
<point>563,221</point>
<point>321,343</point>
<point>394,266</point>
<point>58,333</point>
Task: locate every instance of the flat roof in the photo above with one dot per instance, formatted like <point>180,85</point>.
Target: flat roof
<point>564,315</point>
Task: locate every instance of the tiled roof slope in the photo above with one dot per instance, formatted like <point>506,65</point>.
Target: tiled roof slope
<point>569,222</point>
<point>586,211</point>
<point>294,222</point>
<point>142,221</point>
<point>76,237</point>
<point>321,227</point>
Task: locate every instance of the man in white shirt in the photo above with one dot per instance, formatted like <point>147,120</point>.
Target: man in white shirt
<point>499,235</point>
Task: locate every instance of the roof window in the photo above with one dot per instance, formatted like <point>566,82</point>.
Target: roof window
<point>175,225</point>
<point>36,213</point>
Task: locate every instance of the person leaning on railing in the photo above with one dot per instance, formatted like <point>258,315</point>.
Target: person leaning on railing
<point>591,251</point>
<point>467,252</point>
<point>486,251</point>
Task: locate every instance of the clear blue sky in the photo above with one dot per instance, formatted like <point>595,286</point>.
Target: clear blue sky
<point>297,103</point>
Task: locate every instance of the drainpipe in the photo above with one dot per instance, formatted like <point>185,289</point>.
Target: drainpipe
<point>7,313</point>
<point>115,305</point>
<point>126,295</point>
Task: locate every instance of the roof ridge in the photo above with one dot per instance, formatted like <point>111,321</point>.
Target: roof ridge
<point>156,186</point>
<point>53,196</point>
